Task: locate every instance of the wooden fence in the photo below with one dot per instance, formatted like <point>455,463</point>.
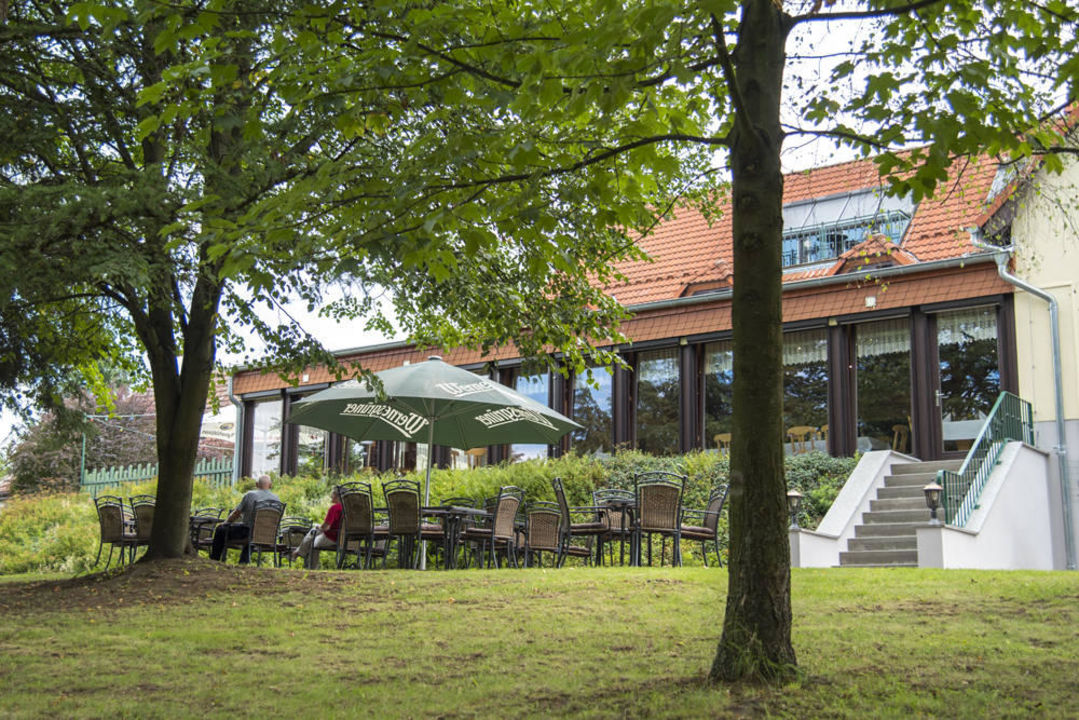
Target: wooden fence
<point>217,471</point>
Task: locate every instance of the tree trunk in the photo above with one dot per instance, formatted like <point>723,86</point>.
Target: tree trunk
<point>756,642</point>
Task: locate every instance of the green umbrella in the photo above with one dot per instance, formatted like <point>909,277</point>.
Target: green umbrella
<point>435,403</point>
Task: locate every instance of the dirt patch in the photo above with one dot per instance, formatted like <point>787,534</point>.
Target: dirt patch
<point>161,582</point>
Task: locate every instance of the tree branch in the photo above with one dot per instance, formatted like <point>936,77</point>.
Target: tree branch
<point>867,15</point>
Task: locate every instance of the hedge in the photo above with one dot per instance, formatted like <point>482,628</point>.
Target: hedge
<point>58,532</point>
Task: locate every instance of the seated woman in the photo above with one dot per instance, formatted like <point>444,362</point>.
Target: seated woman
<point>323,537</point>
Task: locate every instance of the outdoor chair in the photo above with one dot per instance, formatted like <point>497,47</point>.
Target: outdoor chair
<point>596,527</point>
<point>707,529</point>
<point>723,443</point>
<point>289,536</point>
<point>264,529</point>
<point>406,523</point>
<point>112,519</point>
<point>502,532</point>
<point>659,505</point>
<point>619,519</point>
<point>358,532</point>
<point>543,534</point>
<point>142,515</point>
<point>203,522</point>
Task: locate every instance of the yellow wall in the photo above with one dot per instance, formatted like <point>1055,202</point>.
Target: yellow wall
<point>1046,236</point>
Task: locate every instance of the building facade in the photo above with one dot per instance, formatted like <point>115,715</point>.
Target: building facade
<point>899,331</point>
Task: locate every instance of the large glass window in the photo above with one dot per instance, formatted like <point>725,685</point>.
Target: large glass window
<point>658,396</point>
<point>358,454</point>
<point>718,393</point>
<point>310,450</point>
<point>805,387</point>
<point>592,405</point>
<point>536,388</point>
<point>883,385</point>
<point>969,373</point>
<point>266,438</point>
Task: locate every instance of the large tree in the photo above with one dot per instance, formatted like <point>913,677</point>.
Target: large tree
<point>387,140</point>
<point>168,168</point>
<point>622,91</point>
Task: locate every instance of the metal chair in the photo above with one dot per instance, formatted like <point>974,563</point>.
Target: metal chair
<point>659,511</point>
<point>203,522</point>
<point>264,528</point>
<point>406,523</point>
<point>358,529</point>
<point>595,528</point>
<point>289,536</point>
<point>142,514</point>
<point>111,517</point>
<point>502,533</point>
<point>708,529</point>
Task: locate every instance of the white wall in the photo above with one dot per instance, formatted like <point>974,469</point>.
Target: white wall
<point>1045,232</point>
<point>1012,526</point>
<point>821,547</point>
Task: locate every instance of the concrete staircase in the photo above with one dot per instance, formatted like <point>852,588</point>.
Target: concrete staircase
<point>886,537</point>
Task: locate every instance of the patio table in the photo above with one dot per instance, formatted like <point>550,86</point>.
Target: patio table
<point>454,517</point>
<point>627,507</point>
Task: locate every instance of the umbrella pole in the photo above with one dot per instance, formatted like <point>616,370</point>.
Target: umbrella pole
<point>427,485</point>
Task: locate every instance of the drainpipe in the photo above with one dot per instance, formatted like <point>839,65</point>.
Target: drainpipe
<point>1002,255</point>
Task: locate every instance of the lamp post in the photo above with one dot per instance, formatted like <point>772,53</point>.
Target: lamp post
<point>932,500</point>
<point>794,503</point>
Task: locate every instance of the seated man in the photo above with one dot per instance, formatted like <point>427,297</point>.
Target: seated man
<point>231,530</point>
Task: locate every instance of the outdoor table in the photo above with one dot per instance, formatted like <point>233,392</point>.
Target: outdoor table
<point>626,506</point>
<point>454,517</point>
<point>198,523</point>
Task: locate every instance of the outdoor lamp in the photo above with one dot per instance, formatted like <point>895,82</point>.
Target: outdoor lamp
<point>794,503</point>
<point>932,499</point>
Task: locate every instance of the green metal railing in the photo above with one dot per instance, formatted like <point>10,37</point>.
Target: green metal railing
<point>1010,419</point>
<point>217,471</point>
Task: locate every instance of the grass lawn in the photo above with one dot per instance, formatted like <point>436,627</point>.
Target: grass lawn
<point>193,638</point>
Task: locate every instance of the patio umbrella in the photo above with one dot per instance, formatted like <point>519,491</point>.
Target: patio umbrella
<point>435,403</point>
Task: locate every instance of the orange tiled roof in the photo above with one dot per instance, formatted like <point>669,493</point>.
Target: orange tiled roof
<point>690,254</point>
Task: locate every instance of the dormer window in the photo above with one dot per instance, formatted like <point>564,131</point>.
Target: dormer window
<point>823,229</point>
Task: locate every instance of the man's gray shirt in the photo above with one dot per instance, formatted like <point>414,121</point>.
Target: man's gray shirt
<point>247,504</point>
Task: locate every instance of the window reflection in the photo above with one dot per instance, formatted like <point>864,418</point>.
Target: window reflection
<point>592,410</point>
<point>658,397</point>
<point>310,450</point>
<point>266,438</point>
<point>969,373</point>
<point>536,388</point>
<point>718,393</point>
<point>805,389</point>
<point>883,370</point>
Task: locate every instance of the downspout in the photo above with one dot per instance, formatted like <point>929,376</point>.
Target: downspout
<point>1002,255</point>
<point>238,430</point>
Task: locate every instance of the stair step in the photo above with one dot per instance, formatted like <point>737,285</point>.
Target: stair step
<point>918,480</point>
<point>901,491</point>
<point>896,516</point>
<point>924,467</point>
<point>887,542</point>
<point>888,529</point>
<point>905,503</point>
<point>879,557</point>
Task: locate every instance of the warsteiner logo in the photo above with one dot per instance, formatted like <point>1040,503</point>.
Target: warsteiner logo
<point>405,423</point>
<point>505,416</point>
<point>461,389</point>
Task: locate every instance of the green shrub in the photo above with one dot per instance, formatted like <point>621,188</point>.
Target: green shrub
<point>58,532</point>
